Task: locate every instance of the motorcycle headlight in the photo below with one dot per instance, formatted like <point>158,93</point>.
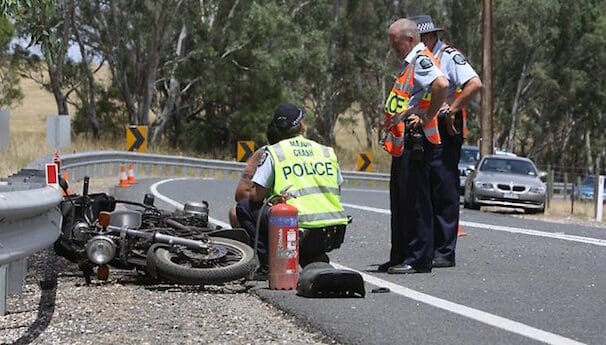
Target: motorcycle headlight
<point>537,190</point>
<point>484,185</point>
<point>100,249</point>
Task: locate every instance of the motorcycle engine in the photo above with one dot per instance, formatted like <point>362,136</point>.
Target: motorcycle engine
<point>80,231</point>
<point>196,213</point>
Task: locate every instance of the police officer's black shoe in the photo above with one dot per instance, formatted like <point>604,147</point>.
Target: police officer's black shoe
<point>406,269</point>
<point>385,266</point>
<point>441,262</point>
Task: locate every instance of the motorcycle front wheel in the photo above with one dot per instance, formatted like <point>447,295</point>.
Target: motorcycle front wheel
<point>226,260</point>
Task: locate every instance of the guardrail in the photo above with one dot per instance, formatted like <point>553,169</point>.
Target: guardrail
<point>29,221</point>
<point>107,163</point>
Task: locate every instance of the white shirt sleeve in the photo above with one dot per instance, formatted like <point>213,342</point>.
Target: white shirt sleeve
<point>264,176</point>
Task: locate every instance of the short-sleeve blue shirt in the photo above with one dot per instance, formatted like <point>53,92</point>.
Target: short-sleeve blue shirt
<point>455,66</point>
<point>425,72</point>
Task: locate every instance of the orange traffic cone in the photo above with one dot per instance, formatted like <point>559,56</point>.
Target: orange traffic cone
<point>123,178</point>
<point>461,232</point>
<point>131,174</point>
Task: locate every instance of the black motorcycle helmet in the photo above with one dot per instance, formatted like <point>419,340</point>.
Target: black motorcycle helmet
<point>286,123</point>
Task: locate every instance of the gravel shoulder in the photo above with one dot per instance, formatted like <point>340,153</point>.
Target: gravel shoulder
<point>57,307</point>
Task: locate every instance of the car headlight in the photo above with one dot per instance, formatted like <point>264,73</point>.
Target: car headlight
<point>484,185</point>
<point>537,190</point>
<point>100,249</point>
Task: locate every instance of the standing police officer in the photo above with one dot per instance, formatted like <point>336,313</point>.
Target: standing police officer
<point>464,84</point>
<point>412,139</point>
<point>313,174</point>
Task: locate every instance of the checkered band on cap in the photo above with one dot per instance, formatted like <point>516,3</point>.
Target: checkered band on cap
<point>424,27</point>
<point>425,24</point>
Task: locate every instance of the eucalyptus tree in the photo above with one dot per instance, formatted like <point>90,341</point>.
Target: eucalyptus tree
<point>46,23</point>
<point>520,52</point>
<point>579,70</point>
<point>9,78</point>
<point>132,36</point>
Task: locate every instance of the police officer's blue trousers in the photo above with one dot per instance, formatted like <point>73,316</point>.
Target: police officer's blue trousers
<point>248,213</point>
<point>445,184</point>
<point>411,208</point>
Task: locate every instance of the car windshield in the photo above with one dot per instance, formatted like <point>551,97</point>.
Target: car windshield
<point>509,166</point>
<point>469,156</point>
<point>588,181</point>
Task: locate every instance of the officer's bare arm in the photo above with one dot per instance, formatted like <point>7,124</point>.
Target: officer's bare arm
<point>470,89</point>
<point>245,184</point>
<point>257,193</point>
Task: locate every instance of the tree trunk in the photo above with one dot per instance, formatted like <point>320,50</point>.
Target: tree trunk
<point>55,85</point>
<point>173,91</point>
<point>92,102</point>
<point>588,152</point>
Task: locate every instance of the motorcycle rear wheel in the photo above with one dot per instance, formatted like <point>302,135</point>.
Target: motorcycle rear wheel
<point>240,263</point>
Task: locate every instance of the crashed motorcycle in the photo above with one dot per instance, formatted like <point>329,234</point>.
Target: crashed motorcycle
<point>178,246</point>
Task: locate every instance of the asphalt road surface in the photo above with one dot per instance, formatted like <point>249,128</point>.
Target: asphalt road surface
<point>517,281</point>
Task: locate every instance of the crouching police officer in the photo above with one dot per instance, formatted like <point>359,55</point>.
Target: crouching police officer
<point>313,172</point>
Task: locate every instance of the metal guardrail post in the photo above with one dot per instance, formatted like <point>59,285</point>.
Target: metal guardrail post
<point>3,288</point>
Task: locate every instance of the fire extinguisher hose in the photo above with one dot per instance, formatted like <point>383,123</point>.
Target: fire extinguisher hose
<point>258,225</point>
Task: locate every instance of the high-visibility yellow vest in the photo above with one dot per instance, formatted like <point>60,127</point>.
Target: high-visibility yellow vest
<point>311,170</point>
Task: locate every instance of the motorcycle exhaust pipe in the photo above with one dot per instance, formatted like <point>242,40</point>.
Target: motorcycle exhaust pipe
<point>158,237</point>
<point>104,220</point>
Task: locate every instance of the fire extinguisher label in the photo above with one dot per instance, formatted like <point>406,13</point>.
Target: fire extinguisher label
<point>288,249</point>
<point>292,239</point>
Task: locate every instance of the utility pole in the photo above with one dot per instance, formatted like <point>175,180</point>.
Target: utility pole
<point>486,130</point>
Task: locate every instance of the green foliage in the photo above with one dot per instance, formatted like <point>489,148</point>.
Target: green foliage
<point>10,92</point>
<point>111,113</point>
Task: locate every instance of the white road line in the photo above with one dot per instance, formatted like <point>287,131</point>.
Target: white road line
<point>154,189</point>
<point>475,314</point>
<point>559,236</point>
<point>478,315</point>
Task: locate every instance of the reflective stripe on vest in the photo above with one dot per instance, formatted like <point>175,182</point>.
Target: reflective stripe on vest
<point>311,170</point>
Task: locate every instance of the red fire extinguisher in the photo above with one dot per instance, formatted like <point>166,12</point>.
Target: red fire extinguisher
<point>283,250</point>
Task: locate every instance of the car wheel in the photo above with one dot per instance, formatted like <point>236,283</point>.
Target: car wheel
<point>469,201</point>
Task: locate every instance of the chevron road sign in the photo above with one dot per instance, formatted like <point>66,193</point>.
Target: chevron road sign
<point>136,138</point>
<point>245,150</point>
<point>364,162</point>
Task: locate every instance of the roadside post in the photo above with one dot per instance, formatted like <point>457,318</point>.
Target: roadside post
<point>4,129</point>
<point>599,206</point>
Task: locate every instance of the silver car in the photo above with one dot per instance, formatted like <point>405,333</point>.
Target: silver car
<point>500,180</point>
<point>469,158</point>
